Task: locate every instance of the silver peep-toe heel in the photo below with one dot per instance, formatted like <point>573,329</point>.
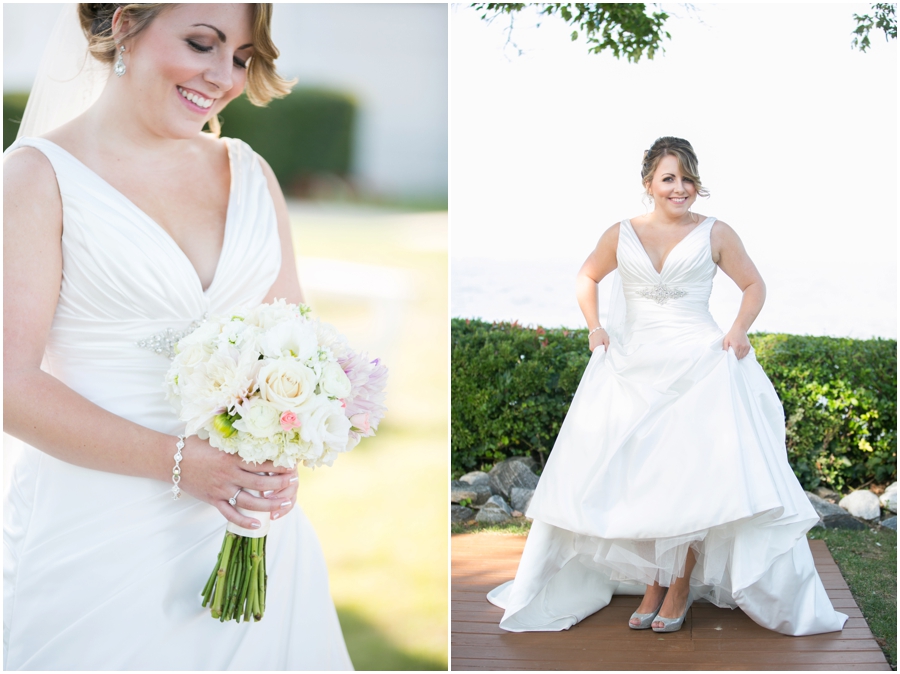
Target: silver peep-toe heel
<point>672,624</point>
<point>645,618</point>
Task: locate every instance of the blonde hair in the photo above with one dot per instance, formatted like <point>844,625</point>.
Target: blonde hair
<point>263,81</point>
<point>682,151</point>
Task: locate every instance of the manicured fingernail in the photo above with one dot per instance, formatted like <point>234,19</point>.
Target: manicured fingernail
<point>285,504</point>
<point>254,524</point>
<point>293,479</point>
<point>268,493</point>
<point>276,516</point>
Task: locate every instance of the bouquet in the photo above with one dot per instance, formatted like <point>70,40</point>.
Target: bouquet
<point>270,384</point>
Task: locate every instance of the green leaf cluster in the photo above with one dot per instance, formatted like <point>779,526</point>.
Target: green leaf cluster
<point>511,387</point>
<point>624,28</point>
<point>885,18</point>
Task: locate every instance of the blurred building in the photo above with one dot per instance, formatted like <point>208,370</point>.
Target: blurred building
<point>391,57</point>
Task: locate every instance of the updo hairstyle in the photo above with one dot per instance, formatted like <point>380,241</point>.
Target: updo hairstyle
<point>263,81</point>
<point>682,151</point>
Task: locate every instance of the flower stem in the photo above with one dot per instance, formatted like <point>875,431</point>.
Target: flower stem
<point>216,609</point>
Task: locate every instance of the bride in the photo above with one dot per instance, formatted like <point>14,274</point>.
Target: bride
<point>669,477</point>
<point>123,228</point>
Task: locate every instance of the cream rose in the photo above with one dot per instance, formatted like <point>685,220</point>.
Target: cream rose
<point>334,382</point>
<point>287,383</point>
<point>259,418</point>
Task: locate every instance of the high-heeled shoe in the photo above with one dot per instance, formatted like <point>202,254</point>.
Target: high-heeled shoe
<point>645,618</point>
<point>672,624</point>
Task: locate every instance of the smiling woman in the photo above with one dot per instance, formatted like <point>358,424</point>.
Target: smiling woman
<point>125,224</point>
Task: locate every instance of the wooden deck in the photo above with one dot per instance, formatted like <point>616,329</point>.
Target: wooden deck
<point>711,638</point>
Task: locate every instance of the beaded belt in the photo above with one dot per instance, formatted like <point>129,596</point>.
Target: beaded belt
<point>661,293</point>
<point>164,342</point>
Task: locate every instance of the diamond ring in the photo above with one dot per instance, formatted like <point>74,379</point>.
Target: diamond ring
<point>233,499</point>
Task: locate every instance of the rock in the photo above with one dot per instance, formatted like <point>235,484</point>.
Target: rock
<point>511,473</point>
<point>460,514</point>
<point>520,498</point>
<point>516,513</point>
<point>461,490</point>
<point>829,495</point>
<point>862,503</point>
<point>494,511</point>
<point>476,477</point>
<point>527,460</point>
<point>888,499</point>
<point>890,523</point>
<point>475,493</point>
<point>833,516</point>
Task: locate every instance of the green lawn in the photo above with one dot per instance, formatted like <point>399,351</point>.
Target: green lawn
<point>381,511</point>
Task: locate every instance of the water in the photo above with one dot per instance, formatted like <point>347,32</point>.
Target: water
<point>850,304</point>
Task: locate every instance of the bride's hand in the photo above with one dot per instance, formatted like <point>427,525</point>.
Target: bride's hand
<point>598,338</point>
<point>737,340</point>
<point>213,476</point>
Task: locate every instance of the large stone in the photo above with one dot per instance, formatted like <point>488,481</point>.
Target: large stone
<point>890,523</point>
<point>862,503</point>
<point>833,516</point>
<point>888,499</point>
<point>828,494</point>
<point>520,498</point>
<point>460,514</point>
<point>476,477</point>
<point>527,460</point>
<point>475,493</point>
<point>460,491</point>
<point>511,473</point>
<point>494,511</point>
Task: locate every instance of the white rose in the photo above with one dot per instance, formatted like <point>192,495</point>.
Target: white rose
<point>190,354</point>
<point>327,428</point>
<point>334,381</point>
<point>295,338</point>
<point>268,316</point>
<point>259,418</point>
<point>286,383</point>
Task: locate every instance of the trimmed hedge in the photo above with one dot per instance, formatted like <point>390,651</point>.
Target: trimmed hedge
<point>511,387</point>
<point>309,133</point>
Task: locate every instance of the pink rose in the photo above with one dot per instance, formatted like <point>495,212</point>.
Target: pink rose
<point>360,422</point>
<point>288,421</point>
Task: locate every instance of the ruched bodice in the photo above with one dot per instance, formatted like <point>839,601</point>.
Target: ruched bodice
<point>103,571</point>
<point>670,444</point>
<point>125,279</point>
<point>678,295</point>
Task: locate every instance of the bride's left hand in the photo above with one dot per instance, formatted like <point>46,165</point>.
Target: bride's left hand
<point>737,340</point>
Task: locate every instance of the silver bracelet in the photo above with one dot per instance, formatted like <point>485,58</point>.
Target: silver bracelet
<point>176,471</point>
<point>599,327</point>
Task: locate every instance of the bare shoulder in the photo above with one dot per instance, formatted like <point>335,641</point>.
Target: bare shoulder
<point>723,234</point>
<point>29,186</point>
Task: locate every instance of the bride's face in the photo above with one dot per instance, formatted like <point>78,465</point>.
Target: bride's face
<point>672,191</point>
<point>187,65</point>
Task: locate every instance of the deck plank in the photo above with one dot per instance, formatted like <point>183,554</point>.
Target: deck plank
<point>712,638</point>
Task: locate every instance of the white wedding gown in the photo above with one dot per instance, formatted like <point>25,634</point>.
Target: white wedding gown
<point>670,443</point>
<point>103,571</point>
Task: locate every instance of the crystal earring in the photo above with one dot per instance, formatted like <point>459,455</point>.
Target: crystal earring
<point>119,68</point>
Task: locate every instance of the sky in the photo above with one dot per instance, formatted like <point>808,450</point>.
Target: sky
<point>796,135</point>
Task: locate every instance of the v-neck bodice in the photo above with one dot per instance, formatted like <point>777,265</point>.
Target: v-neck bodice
<point>142,214</point>
<point>680,290</point>
<point>125,279</point>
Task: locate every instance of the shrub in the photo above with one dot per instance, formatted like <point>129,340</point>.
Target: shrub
<point>511,387</point>
<point>307,134</point>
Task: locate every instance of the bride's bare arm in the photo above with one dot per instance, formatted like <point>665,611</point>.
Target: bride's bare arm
<point>599,263</point>
<point>46,413</point>
<point>728,252</point>
<point>287,285</point>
